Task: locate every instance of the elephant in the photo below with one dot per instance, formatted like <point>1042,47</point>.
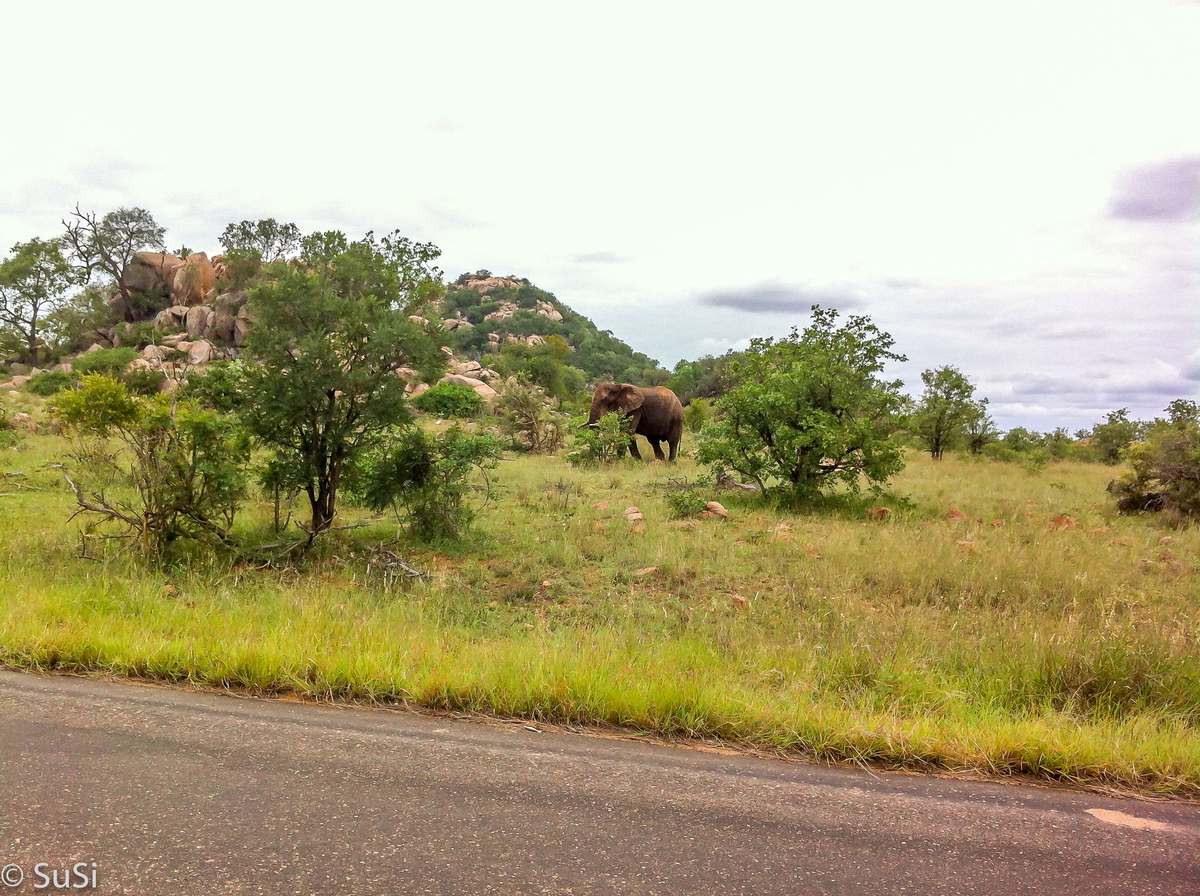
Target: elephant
<point>653,412</point>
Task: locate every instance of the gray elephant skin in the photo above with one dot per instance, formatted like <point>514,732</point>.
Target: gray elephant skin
<point>653,412</point>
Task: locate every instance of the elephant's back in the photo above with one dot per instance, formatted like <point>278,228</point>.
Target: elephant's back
<point>663,397</point>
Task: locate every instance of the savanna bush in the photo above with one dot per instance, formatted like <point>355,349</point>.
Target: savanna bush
<point>9,438</point>
<point>106,361</point>
<point>50,382</point>
<point>1165,472</point>
<point>698,414</point>
<point>528,417</point>
<point>144,381</point>
<point>449,400</point>
<point>428,477</point>
<point>686,500</point>
<point>154,471</point>
<point>600,444</point>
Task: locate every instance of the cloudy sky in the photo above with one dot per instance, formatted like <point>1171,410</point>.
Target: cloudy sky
<point>1012,188</point>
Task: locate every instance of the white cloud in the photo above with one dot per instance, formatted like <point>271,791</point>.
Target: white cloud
<point>988,185</point>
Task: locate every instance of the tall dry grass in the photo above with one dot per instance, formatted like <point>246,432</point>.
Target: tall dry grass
<point>1006,642</point>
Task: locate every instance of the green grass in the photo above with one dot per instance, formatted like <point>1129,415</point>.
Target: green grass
<point>916,642</point>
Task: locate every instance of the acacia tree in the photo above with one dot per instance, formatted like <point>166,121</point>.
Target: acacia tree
<point>32,283</point>
<point>944,409</point>
<point>267,239</point>
<point>978,427</point>
<point>810,410</point>
<point>332,328</point>
<point>1115,435</point>
<point>107,244</point>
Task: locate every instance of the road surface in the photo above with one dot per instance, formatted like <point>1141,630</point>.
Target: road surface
<point>174,792</point>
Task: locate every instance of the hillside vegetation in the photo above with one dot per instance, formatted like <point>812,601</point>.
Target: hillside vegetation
<point>508,309</point>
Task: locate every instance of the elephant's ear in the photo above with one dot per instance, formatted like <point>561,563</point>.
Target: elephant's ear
<point>629,398</point>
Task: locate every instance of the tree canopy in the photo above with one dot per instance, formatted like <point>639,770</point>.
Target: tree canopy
<point>810,410</point>
<point>945,409</point>
<point>107,244</point>
<point>324,385</point>
<point>33,282</point>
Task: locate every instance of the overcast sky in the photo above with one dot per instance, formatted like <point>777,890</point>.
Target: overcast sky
<point>1013,188</point>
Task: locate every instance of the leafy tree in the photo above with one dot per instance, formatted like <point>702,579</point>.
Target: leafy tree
<point>943,410</point>
<point>706,377</point>
<point>175,471</point>
<point>1115,434</point>
<point>810,410</point>
<point>1182,411</point>
<point>1021,439</point>
<point>333,328</point>
<point>978,427</point>
<point>82,313</point>
<point>107,245</point>
<point>544,365</point>
<point>266,239</point>
<point>33,282</point>
<point>429,476</point>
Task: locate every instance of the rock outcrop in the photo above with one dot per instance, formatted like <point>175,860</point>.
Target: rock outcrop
<point>487,284</point>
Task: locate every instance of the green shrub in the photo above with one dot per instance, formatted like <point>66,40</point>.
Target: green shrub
<point>1166,473</point>
<point>137,336</point>
<point>9,438</point>
<point>144,381</point>
<point>449,400</point>
<point>154,470</point>
<point>687,499</point>
<point>105,361</point>
<point>50,382</point>
<point>429,478</point>
<point>528,418</point>
<point>698,414</point>
<point>1001,452</point>
<point>601,443</point>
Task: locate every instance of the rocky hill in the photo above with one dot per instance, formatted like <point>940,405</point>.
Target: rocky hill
<point>484,313</point>
<point>165,305</point>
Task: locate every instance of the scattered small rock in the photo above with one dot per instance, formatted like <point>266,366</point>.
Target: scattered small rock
<point>1063,522</point>
<point>957,516</point>
<point>645,571</point>
<point>22,423</point>
<point>1166,539</point>
<point>739,600</point>
<point>600,505</point>
<point>966,544</point>
<point>633,514</point>
<point>997,523</point>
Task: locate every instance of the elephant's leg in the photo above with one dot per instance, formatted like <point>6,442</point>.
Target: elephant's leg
<point>633,448</point>
<point>657,446</point>
<point>673,444</point>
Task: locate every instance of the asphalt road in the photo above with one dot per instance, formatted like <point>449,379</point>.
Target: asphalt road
<point>174,792</point>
